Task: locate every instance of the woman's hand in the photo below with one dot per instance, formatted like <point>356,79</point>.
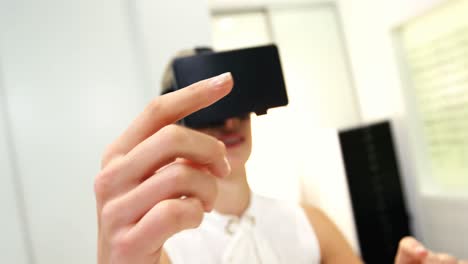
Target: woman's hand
<point>410,251</point>
<point>158,178</point>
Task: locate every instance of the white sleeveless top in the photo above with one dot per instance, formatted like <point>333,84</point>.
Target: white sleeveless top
<point>269,232</point>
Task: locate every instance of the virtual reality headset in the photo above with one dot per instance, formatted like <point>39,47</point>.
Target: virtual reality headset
<point>258,82</point>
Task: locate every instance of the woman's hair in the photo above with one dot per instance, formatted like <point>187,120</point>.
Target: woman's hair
<point>167,80</point>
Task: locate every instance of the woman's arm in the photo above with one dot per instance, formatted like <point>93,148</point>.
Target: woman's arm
<point>164,258</point>
<point>334,249</point>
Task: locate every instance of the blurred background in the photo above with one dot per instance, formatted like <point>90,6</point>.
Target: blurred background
<point>73,74</point>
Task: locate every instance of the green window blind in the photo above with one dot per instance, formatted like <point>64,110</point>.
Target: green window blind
<point>435,47</point>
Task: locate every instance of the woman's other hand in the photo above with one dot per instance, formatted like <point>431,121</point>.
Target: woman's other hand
<point>411,251</point>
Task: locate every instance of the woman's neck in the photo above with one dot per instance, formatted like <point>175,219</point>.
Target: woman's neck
<point>233,193</point>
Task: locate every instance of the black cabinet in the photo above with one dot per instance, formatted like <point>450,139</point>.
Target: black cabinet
<point>377,198</point>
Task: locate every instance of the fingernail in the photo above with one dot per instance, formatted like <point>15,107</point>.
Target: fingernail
<point>220,79</point>
<point>420,249</point>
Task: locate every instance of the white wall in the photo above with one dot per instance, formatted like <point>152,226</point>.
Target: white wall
<point>368,24</point>
<point>75,74</point>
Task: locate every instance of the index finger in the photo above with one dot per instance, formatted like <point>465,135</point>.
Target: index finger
<point>410,251</point>
<point>167,109</point>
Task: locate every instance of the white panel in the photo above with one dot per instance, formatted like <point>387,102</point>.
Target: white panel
<point>167,27</point>
<point>316,69</point>
<point>73,75</point>
<point>12,243</point>
<point>71,86</point>
<point>240,30</point>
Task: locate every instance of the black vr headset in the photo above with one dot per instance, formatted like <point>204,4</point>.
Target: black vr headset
<point>258,82</point>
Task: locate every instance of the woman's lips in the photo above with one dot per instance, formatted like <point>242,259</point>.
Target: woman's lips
<point>231,140</point>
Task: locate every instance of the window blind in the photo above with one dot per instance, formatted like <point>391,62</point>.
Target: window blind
<point>436,49</point>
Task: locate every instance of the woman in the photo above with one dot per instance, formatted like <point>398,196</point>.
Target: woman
<point>158,179</point>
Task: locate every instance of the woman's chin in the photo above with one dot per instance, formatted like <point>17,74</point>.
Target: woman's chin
<point>236,162</point>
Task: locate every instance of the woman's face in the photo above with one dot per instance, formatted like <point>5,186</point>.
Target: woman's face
<point>236,135</point>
